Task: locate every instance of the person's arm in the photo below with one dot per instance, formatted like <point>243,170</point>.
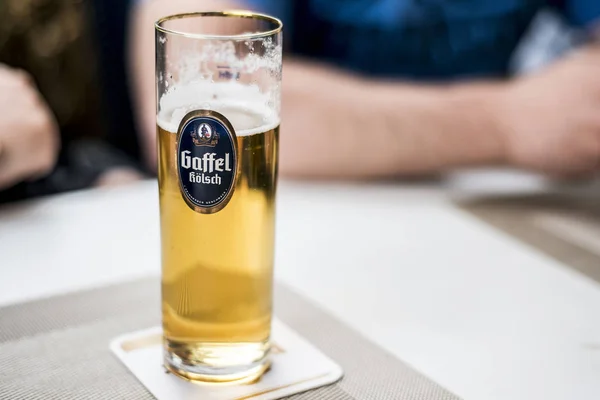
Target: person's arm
<point>338,125</point>
<point>29,139</point>
<point>335,124</point>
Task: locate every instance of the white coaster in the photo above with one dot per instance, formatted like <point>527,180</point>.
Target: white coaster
<point>297,366</point>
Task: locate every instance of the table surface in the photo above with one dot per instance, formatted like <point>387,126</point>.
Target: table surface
<point>475,310</point>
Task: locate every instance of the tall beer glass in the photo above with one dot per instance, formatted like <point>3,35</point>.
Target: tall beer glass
<point>218,79</point>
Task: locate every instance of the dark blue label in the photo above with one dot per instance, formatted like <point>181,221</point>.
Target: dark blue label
<point>206,160</point>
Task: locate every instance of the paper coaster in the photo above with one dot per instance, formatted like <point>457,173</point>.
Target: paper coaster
<point>297,366</point>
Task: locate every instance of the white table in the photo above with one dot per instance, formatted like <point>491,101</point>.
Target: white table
<point>474,310</point>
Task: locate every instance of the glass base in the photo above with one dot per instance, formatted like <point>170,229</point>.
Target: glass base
<point>217,362</point>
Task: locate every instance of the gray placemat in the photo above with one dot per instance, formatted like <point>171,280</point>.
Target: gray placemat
<point>525,218</point>
<point>57,348</point>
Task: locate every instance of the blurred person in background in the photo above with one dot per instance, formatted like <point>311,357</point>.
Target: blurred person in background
<point>411,87</point>
<point>65,120</point>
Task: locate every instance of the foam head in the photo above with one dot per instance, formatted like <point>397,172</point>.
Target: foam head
<point>247,109</point>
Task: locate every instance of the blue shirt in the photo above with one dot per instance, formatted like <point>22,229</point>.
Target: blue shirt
<point>428,39</point>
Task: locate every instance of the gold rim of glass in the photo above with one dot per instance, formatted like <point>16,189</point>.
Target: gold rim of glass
<point>234,13</point>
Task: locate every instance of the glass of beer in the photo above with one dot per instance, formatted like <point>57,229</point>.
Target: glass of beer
<point>218,81</point>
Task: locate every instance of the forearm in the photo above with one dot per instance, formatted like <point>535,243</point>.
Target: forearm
<point>339,125</point>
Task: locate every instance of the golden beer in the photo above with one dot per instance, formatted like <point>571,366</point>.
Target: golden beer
<point>218,95</point>
<point>217,269</point>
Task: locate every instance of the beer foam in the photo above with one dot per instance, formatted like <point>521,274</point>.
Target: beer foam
<point>247,109</point>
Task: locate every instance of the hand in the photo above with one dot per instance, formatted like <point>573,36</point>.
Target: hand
<point>551,120</point>
<point>28,131</point>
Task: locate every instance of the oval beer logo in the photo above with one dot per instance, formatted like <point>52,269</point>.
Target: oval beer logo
<point>206,160</point>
